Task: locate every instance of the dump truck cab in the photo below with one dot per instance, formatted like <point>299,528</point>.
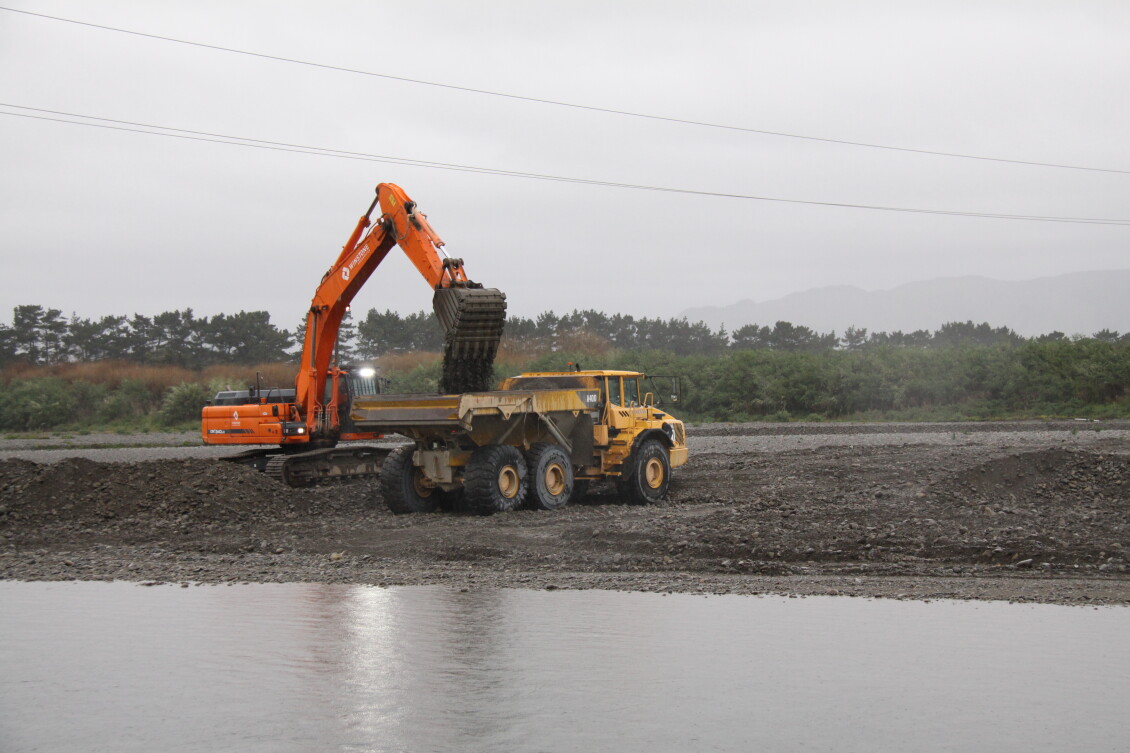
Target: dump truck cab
<point>628,409</point>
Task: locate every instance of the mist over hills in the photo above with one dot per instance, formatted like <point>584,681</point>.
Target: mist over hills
<point>1075,303</point>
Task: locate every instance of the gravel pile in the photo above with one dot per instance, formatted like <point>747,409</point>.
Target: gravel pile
<point>1035,508</point>
<point>77,499</point>
<point>1047,514</point>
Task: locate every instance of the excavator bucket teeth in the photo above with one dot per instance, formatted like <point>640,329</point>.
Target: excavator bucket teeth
<point>472,321</point>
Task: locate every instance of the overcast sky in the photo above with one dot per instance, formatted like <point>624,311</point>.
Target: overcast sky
<point>97,221</point>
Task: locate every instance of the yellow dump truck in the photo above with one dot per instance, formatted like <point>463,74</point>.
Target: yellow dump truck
<point>537,441</point>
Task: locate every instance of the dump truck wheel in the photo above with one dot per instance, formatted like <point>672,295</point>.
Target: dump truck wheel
<point>495,479</point>
<point>403,487</point>
<point>551,476</point>
<point>648,475</point>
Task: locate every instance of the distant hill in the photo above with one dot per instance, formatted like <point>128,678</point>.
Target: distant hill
<point>1076,303</point>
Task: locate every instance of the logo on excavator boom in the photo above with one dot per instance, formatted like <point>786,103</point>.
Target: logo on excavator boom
<point>357,259</point>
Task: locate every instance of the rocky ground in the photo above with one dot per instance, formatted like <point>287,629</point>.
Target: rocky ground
<point>1028,512</point>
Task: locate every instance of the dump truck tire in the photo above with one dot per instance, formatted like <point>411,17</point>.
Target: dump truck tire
<point>551,476</point>
<point>495,480</point>
<point>648,475</point>
<point>401,485</point>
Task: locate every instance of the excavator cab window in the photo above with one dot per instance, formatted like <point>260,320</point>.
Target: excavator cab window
<point>364,385</point>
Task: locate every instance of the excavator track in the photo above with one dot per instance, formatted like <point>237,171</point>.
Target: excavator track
<point>472,320</point>
<point>323,466</point>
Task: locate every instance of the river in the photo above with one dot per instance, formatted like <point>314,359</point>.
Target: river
<point>308,667</point>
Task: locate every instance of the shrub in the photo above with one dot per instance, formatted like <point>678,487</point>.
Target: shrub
<point>36,404</point>
<point>183,403</point>
<point>132,399</point>
<point>424,378</point>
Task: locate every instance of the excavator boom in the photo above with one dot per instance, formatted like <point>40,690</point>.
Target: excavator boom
<point>472,318</point>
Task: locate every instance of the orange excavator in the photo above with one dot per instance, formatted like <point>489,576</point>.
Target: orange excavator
<point>307,423</point>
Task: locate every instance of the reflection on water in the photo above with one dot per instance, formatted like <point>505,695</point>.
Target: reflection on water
<point>119,667</point>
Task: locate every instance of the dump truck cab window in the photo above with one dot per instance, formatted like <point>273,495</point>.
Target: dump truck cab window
<point>612,388</point>
<point>631,392</point>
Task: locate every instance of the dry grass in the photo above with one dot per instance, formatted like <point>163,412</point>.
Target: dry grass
<point>402,363</point>
<point>155,378</point>
<point>109,373</point>
<point>585,343</point>
<point>513,356</point>
<point>512,352</point>
<point>270,375</point>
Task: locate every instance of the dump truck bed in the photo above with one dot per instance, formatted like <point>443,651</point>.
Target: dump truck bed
<point>418,415</point>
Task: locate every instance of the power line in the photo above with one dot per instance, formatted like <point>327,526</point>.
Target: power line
<point>217,138</point>
<point>572,105</point>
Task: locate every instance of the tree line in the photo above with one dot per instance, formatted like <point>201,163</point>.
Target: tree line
<point>769,373</point>
<point>39,336</point>
<point>44,336</point>
<point>1084,377</point>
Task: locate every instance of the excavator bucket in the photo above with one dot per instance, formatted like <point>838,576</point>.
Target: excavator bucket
<point>472,321</point>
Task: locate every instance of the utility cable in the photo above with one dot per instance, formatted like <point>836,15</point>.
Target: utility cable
<point>572,105</point>
<point>183,133</point>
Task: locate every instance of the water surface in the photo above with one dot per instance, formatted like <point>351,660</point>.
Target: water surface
<point>308,667</point>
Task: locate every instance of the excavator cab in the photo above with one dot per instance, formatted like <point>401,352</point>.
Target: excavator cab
<point>342,387</point>
<point>365,381</point>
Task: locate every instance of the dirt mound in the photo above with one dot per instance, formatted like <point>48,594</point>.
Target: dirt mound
<point>1050,505</point>
<point>897,508</point>
<point>182,495</point>
<point>1052,477</point>
<point>1052,509</point>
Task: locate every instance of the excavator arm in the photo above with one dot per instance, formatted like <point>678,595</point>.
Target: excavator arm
<point>472,316</point>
